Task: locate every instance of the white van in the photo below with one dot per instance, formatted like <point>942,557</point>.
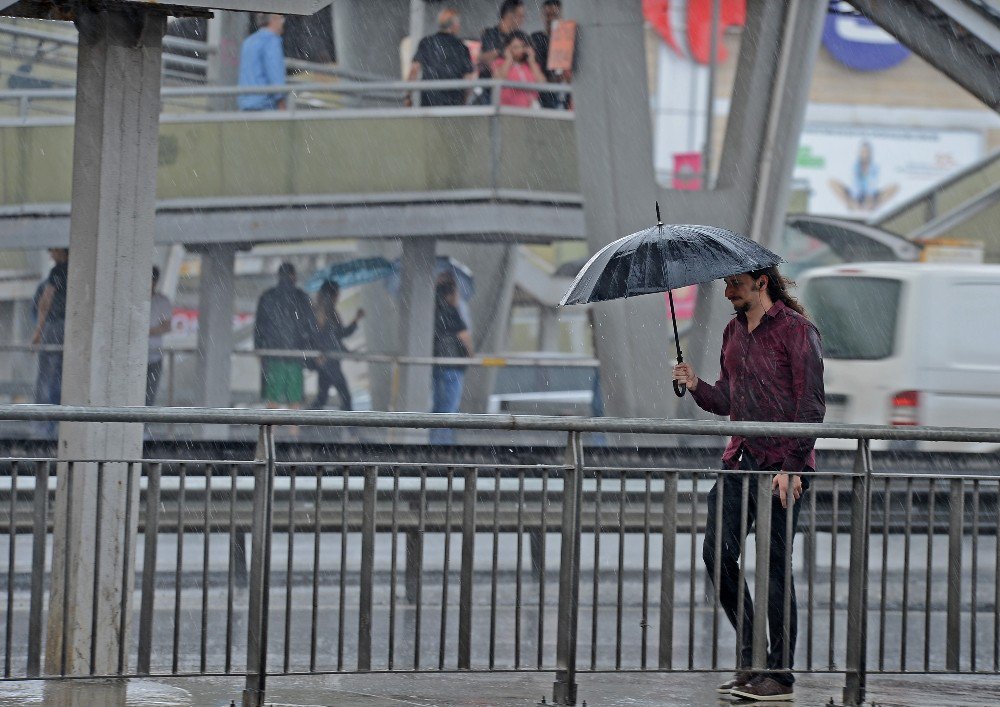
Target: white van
<point>908,344</point>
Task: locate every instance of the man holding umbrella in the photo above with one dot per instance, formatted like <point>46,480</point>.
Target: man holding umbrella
<point>771,371</point>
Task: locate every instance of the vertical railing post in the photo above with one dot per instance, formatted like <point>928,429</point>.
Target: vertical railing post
<point>39,538</point>
<point>468,561</point>
<point>367,570</point>
<point>857,590</point>
<point>564,688</point>
<point>260,569</point>
<point>762,539</point>
<point>667,561</point>
<point>953,640</point>
<point>150,535</point>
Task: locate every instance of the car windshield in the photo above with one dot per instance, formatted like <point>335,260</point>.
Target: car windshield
<point>855,315</point>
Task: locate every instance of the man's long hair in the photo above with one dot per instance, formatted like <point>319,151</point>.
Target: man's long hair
<point>777,288</point>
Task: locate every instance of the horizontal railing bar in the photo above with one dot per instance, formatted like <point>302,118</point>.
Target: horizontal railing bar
<point>485,360</point>
<point>333,418</point>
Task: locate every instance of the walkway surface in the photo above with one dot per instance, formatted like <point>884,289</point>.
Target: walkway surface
<point>508,689</point>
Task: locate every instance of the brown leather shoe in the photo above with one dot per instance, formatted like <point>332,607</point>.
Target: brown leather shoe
<point>740,679</point>
<point>764,688</point>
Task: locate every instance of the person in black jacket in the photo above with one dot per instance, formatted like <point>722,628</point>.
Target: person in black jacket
<point>330,338</point>
<point>284,320</point>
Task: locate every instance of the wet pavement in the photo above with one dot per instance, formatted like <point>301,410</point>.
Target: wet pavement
<point>509,689</point>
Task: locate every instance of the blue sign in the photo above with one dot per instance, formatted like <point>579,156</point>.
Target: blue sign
<point>860,44</point>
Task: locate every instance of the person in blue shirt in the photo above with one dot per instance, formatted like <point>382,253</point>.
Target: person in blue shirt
<point>262,63</point>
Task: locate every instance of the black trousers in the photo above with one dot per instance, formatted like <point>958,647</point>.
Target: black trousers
<point>330,374</point>
<point>732,501</point>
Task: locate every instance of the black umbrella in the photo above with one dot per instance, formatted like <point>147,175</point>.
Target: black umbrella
<point>663,258</point>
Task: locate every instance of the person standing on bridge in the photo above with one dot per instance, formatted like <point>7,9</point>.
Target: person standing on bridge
<point>771,371</point>
<point>440,57</point>
<point>284,321</point>
<point>262,63</point>
<point>50,331</point>
<point>331,332</point>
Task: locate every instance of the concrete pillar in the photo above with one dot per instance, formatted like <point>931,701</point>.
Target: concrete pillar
<point>492,267</point>
<point>226,32</point>
<point>380,325</point>
<point>215,324</point>
<point>367,35</point>
<point>613,131</point>
<point>777,54</point>
<point>548,328</point>
<point>111,242</point>
<point>416,322</point>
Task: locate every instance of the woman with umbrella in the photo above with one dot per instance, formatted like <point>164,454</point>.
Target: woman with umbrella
<point>330,336</point>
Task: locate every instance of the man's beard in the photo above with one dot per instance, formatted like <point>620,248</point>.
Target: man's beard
<point>742,308</point>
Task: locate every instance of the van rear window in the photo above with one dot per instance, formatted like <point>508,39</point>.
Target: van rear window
<point>855,315</point>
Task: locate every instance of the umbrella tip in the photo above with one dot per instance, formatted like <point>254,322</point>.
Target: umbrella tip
<point>658,221</point>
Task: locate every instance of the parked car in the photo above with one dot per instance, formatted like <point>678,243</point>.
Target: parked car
<point>909,344</point>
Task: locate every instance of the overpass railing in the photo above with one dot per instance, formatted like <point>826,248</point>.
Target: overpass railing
<point>44,104</point>
<point>557,568</point>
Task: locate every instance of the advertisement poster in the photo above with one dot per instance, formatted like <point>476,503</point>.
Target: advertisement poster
<point>857,171</point>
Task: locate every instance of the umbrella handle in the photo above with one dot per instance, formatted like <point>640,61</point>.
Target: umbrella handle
<point>679,389</point>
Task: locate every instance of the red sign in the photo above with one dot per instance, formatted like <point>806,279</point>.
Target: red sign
<point>687,171</point>
<point>185,321</point>
<point>684,301</point>
<point>562,46</point>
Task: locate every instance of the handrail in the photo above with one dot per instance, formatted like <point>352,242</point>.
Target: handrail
<point>536,423</point>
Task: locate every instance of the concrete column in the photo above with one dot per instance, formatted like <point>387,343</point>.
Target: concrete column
<point>777,54</point>
<point>226,32</point>
<point>416,322</point>
<point>613,131</point>
<point>215,324</point>
<point>493,267</point>
<point>380,325</point>
<point>548,329</point>
<point>367,35</point>
<point>107,324</point>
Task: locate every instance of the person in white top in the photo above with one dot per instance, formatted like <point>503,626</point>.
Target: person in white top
<point>160,314</point>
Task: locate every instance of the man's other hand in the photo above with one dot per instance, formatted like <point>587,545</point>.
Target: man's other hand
<point>780,482</point>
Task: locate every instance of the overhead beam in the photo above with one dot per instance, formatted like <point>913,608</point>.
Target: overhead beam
<point>975,71</point>
<point>187,224</point>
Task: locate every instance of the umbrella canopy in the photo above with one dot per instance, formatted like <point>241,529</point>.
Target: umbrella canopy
<point>350,273</point>
<point>664,258</point>
<point>442,264</point>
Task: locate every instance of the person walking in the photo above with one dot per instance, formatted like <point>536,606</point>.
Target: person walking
<point>330,336</point>
<point>451,340</point>
<point>771,371</point>
<point>50,330</point>
<point>284,320</point>
<point>551,14</point>
<point>160,316</point>
<point>262,63</point>
<point>439,57</point>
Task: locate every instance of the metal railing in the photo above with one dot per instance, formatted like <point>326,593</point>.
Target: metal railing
<point>557,568</point>
<point>170,379</point>
<point>299,97</point>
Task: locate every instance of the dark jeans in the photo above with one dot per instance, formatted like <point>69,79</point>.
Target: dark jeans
<point>729,588</point>
<point>48,388</point>
<point>330,374</point>
<point>153,371</point>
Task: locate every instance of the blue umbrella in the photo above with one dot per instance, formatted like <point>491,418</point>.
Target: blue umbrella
<point>442,264</point>
<point>351,273</point>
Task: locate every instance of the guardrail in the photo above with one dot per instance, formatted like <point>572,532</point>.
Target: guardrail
<point>170,378</point>
<point>299,96</point>
<point>324,583</point>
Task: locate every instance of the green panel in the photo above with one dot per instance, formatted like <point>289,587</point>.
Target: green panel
<point>190,160</point>
<point>257,159</point>
<point>322,156</point>
<point>538,154</point>
<point>45,163</point>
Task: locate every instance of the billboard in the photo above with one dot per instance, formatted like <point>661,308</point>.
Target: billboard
<point>856,171</point>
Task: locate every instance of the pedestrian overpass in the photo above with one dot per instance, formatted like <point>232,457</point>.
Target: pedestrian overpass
<point>488,173</point>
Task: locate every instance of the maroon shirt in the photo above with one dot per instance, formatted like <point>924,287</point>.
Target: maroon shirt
<point>773,374</point>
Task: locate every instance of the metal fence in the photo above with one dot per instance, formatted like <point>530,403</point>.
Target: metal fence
<point>260,567</point>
